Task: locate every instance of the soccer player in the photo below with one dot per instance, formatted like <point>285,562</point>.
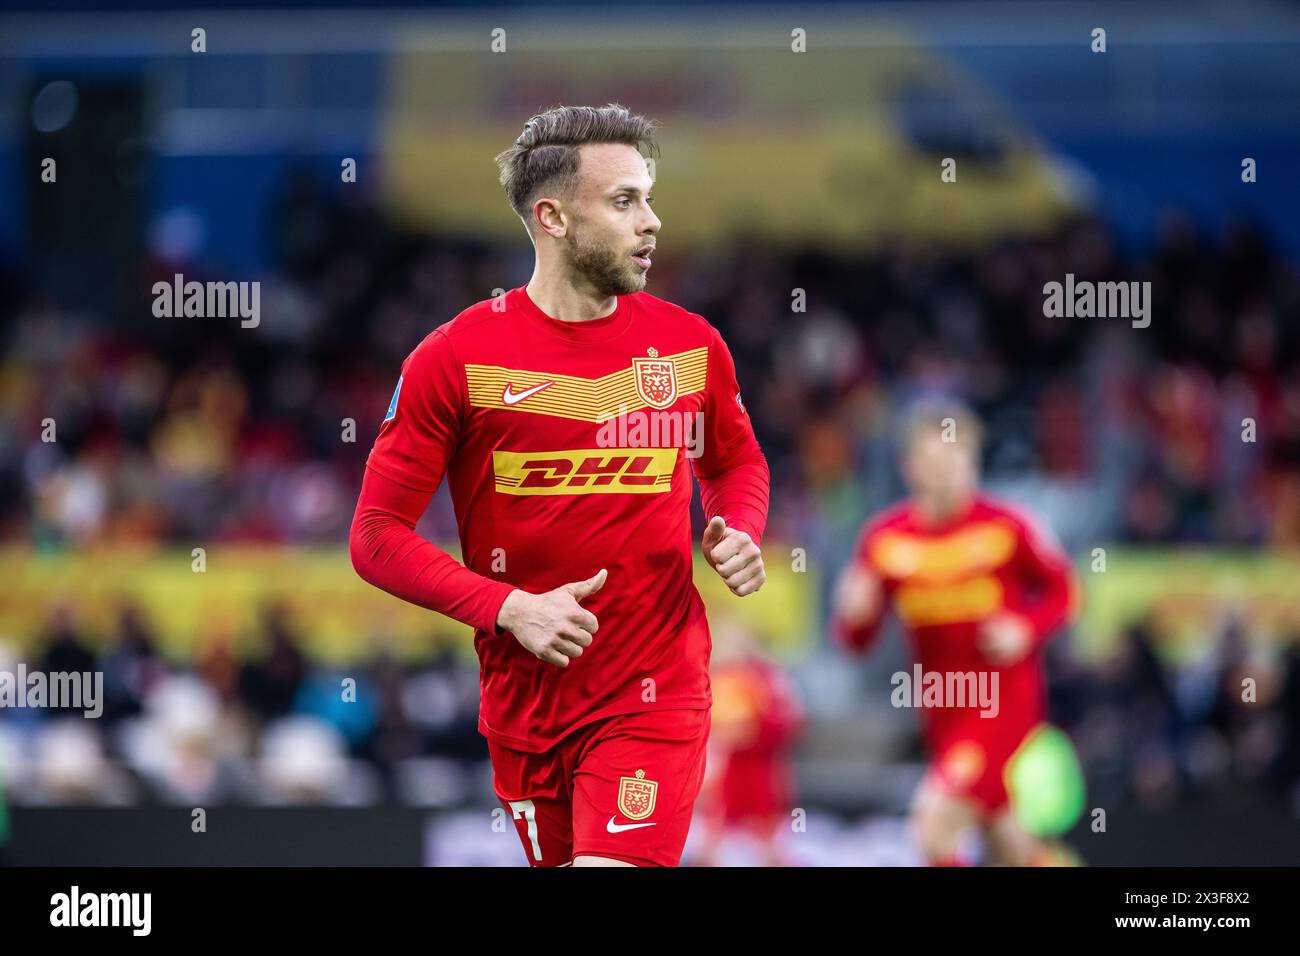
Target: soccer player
<point>980,590</point>
<point>757,716</point>
<point>565,413</point>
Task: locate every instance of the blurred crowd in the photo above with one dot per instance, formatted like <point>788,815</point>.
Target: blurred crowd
<point>278,728</point>
<point>272,729</point>
<point>1160,734</point>
<point>199,430</point>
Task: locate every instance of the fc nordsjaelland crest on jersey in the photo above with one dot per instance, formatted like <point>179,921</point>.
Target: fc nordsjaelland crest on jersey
<point>656,380</point>
<point>636,796</point>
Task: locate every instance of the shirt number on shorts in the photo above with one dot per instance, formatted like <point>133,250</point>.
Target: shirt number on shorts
<point>525,809</point>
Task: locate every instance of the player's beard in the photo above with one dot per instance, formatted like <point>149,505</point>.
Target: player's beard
<point>607,270</point>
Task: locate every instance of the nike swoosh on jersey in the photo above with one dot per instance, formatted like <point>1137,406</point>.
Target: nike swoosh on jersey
<point>613,827</point>
<point>514,398</point>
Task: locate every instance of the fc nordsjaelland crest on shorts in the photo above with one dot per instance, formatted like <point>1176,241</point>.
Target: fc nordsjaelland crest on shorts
<point>656,380</point>
<point>636,796</point>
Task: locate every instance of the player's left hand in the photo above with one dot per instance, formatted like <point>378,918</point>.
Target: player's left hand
<point>1006,638</point>
<point>735,556</point>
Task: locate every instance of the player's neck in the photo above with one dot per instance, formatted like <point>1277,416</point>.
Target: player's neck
<point>936,512</point>
<point>561,300</point>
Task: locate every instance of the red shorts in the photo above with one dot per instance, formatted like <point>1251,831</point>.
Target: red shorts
<point>971,765</point>
<point>623,787</point>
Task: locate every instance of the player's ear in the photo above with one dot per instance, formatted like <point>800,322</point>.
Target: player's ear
<point>550,217</point>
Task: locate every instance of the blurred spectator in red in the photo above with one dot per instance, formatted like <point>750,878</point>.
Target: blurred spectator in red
<point>757,717</point>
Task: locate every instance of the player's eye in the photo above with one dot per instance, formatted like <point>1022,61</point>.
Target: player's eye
<point>622,203</point>
<point>650,200</point>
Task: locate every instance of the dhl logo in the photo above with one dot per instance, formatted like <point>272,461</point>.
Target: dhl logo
<point>922,605</point>
<point>585,471</point>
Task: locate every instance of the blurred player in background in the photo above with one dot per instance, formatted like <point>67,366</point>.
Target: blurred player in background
<point>597,737</point>
<point>757,717</point>
<point>980,589</point>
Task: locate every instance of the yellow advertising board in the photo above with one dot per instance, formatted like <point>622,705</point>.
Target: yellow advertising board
<point>1188,597</point>
<point>339,617</point>
<point>757,140</point>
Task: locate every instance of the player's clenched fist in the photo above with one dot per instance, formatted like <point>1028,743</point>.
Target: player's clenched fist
<point>1006,638</point>
<point>553,625</point>
<point>858,595</point>
<point>735,556</point>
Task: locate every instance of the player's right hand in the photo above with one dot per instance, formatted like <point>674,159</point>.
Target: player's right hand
<point>552,626</point>
<point>1006,638</point>
<point>858,595</point>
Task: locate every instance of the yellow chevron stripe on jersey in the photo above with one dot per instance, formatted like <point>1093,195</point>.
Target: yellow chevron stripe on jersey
<point>571,396</point>
<point>973,549</point>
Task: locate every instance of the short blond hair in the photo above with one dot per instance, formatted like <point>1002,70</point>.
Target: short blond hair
<point>942,418</point>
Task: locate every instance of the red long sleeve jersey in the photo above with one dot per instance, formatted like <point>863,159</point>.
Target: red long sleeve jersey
<point>945,580</point>
<point>566,448</point>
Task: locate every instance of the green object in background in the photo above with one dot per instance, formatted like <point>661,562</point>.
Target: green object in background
<point>1046,782</point>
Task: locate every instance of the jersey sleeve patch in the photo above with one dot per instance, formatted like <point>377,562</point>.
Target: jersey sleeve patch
<point>392,406</point>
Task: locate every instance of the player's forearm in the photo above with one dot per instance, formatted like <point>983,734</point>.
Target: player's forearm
<point>856,635</point>
<point>777,728</point>
<point>1055,604</point>
<point>387,552</point>
<point>740,495</point>
<point>858,603</point>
